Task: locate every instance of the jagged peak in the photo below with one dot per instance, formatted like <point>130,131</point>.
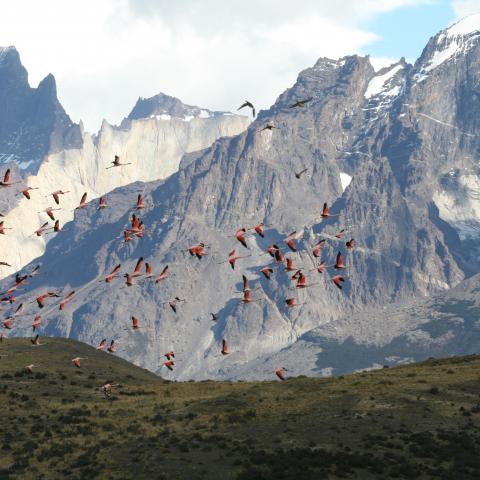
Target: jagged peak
<point>466,26</point>
<point>165,107</point>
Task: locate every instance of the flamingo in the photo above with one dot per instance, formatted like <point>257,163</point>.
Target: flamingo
<point>36,322</point>
<point>6,180</point>
<point>173,303</point>
<point>280,373</point>
<point>232,258</point>
<point>7,324</point>
<point>114,273</point>
<point>214,317</point>
<point>83,201</point>
<point>102,345</point>
<point>130,280</point>
<point>246,286</point>
<point>139,205</point>
<point>41,298</point>
<point>148,270</point>
<point>56,195</point>
<point>169,355</point>
<point>197,250</point>
<point>240,236</point>
<point>76,361</point>
<point>3,228</point>
<point>169,364</point>
<point>267,272</point>
<point>162,276</point>
<point>138,268</point>
<point>112,348</point>
<point>116,163</point>
<point>29,368</point>
<point>339,263</point>
<point>67,299</point>
<point>5,264</point>
<point>135,324</point>
<point>249,105</point>
<point>317,247</point>
<point>290,267</point>
<point>291,302</point>
<point>26,192</point>
<point>41,230</point>
<point>279,258</point>
<point>268,127</point>
<point>102,203</point>
<point>36,341</point>
<point>126,236</point>
<point>34,272</point>
<point>259,229</point>
<point>350,244</point>
<point>225,347</point>
<point>290,241</point>
<point>326,211</point>
<point>338,280</point>
<point>340,234</point>
<point>321,267</point>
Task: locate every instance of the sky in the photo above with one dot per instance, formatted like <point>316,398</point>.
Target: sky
<point>211,53</point>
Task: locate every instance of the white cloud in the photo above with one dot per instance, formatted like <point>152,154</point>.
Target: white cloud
<point>210,53</point>
<point>462,8</point>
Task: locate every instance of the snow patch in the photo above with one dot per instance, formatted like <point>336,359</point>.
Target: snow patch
<point>345,180</point>
<point>466,26</point>
<point>377,84</point>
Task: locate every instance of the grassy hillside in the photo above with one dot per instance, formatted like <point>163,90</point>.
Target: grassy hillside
<point>418,421</point>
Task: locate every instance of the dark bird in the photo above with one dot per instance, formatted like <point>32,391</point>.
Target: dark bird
<point>301,103</point>
<point>248,104</point>
<point>299,174</point>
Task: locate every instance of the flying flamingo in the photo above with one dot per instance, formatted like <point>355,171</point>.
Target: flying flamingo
<point>225,347</point>
<point>240,236</point>
<point>173,303</point>
<point>56,195</point>
<point>317,247</point>
<point>41,298</point>
<point>290,241</point>
<point>291,302</point>
<point>326,212</point>
<point>339,263</point>
<point>26,192</point>
<point>169,355</point>
<point>340,234</point>
<point>76,361</point>
<point>350,244</point>
<point>115,272</point>
<point>139,205</point>
<point>259,229</point>
<point>126,236</point>
<point>116,163</point>
<point>169,364</point>
<point>232,258</point>
<point>135,324</point>
<point>41,230</point>
<point>3,228</point>
<point>338,280</point>
<point>214,317</point>
<point>138,268</point>
<point>36,341</point>
<point>102,203</point>
<point>162,276</point>
<point>112,348</point>
<point>280,373</point>
<point>36,322</point>
<point>267,272</point>
<point>49,211</point>
<point>148,270</point>
<point>67,299</point>
<point>6,180</point>
<point>83,201</point>
<point>29,368</point>
<point>102,345</point>
<point>7,324</point>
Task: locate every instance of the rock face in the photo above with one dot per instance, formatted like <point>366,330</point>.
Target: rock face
<point>64,157</point>
<point>32,121</point>
<point>379,148</point>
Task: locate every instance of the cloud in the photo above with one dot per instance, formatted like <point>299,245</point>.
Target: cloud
<point>462,8</point>
<point>106,54</point>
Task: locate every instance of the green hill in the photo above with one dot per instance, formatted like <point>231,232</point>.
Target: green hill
<point>417,421</point>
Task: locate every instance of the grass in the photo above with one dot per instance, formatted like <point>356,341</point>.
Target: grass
<point>417,421</point>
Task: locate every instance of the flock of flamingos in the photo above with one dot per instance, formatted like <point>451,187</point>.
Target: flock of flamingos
<point>278,254</point>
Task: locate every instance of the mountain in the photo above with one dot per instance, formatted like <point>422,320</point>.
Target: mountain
<point>412,421</point>
<point>379,148</point>
<point>32,121</point>
<point>69,159</point>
